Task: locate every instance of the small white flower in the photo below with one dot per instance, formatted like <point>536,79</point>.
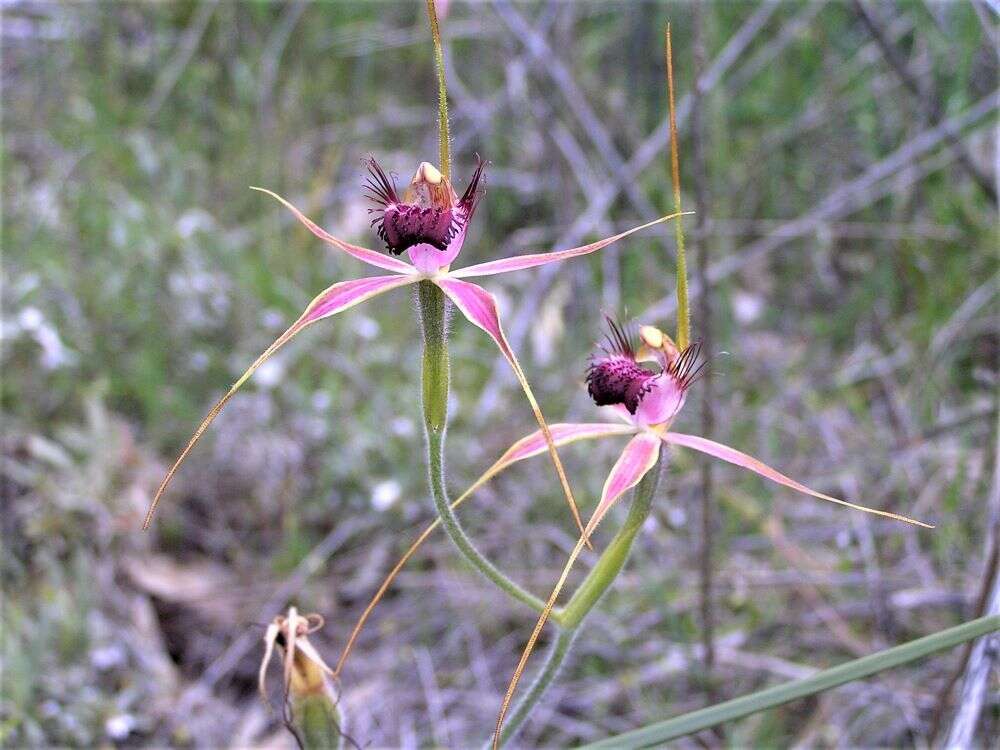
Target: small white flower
<point>385,494</point>
<point>367,328</point>
<point>120,726</point>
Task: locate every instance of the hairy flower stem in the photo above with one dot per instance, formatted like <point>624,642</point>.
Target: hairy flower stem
<point>553,662</point>
<point>436,382</point>
<point>597,582</point>
<point>614,557</point>
<point>444,140</point>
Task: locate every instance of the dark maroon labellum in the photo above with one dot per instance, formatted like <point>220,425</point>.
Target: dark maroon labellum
<point>616,377</point>
<point>618,380</point>
<point>403,225</point>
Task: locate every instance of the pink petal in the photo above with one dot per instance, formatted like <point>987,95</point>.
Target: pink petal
<point>639,456</point>
<point>733,456</point>
<point>332,300</point>
<point>519,262</point>
<point>562,434</point>
<point>345,294</point>
<point>480,308</point>
<point>371,257</point>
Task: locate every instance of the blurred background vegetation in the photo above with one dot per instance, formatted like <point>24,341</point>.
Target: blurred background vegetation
<point>843,160</point>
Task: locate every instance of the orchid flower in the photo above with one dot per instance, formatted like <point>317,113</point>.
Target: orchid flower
<point>309,702</point>
<point>429,224</point>
<point>645,402</point>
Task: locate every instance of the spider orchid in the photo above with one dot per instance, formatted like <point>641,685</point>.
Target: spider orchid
<point>646,402</point>
<point>429,224</point>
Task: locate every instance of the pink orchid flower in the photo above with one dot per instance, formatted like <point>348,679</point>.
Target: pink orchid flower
<point>647,402</point>
<point>429,224</point>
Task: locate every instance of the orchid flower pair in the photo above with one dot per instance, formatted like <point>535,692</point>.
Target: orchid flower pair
<point>645,402</point>
<point>429,223</point>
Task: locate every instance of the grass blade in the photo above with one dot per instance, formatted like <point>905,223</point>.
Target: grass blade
<point>762,700</point>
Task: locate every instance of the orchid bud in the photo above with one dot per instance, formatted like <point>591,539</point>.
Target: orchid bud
<point>309,703</point>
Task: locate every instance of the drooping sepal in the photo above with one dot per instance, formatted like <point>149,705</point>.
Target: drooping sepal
<point>638,457</point>
<point>332,300</point>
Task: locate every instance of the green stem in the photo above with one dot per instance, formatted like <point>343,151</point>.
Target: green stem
<point>444,138</point>
<point>436,381</point>
<point>597,582</point>
<point>866,666</point>
<point>553,662</point>
<point>317,722</point>
<point>610,564</point>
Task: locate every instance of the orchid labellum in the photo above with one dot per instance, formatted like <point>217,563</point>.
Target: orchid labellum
<point>428,223</point>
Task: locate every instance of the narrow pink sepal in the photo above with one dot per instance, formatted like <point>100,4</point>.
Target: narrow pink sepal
<point>480,307</point>
<point>345,294</point>
<point>519,262</point>
<point>371,257</point>
<point>639,456</point>
<point>733,456</point>
<point>562,434</point>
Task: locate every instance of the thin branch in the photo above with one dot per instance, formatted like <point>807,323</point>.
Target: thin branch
<point>976,660</point>
<point>546,60</point>
<point>171,73</point>
<point>699,138</point>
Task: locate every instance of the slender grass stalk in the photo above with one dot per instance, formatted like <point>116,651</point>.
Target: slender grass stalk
<point>704,310</point>
<point>444,135</point>
<point>436,383</point>
<point>683,310</point>
<point>696,721</point>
